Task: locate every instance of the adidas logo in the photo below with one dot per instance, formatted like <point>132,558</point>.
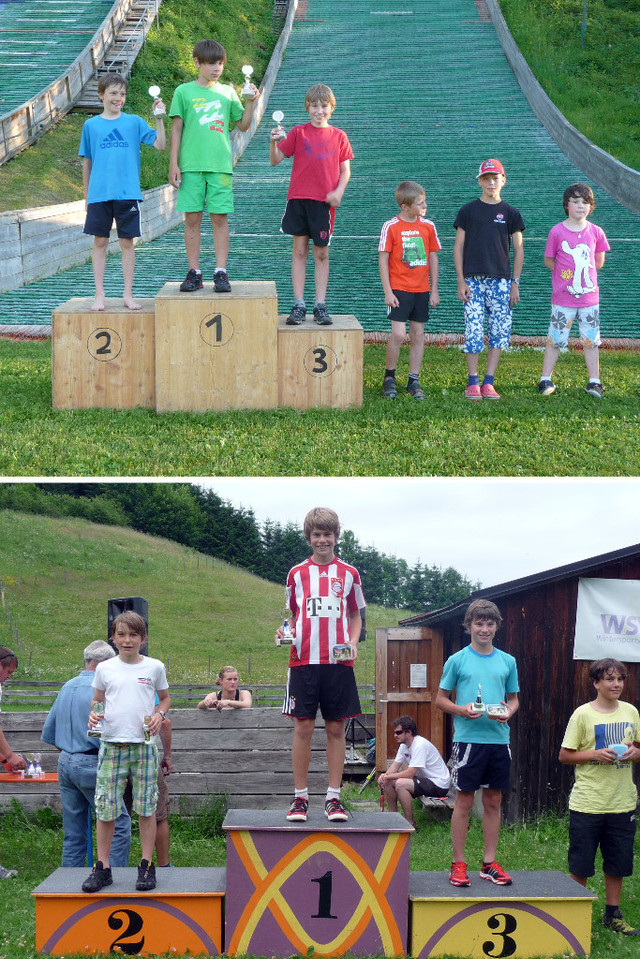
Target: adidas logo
<point>115,139</point>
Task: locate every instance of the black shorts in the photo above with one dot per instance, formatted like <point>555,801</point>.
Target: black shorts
<point>312,218</point>
<point>413,307</point>
<point>100,217</point>
<point>613,832</point>
<point>332,688</point>
<point>423,786</point>
<point>480,766</point>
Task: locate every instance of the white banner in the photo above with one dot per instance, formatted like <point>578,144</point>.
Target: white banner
<point>608,620</point>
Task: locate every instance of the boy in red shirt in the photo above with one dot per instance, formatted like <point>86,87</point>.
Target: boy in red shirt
<point>325,598</point>
<point>408,260</point>
<point>321,170</point>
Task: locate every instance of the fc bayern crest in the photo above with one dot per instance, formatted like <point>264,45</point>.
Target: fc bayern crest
<point>337,587</point>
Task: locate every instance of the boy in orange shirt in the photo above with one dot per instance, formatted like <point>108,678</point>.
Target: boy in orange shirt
<point>408,260</point>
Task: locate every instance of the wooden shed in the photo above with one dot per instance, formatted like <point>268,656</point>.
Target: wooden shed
<point>539,615</point>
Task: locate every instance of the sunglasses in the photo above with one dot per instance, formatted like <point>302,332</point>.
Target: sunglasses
<point>399,732</point>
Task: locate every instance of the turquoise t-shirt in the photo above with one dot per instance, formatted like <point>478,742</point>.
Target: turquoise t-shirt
<point>206,113</point>
<point>113,146</point>
<point>497,673</point>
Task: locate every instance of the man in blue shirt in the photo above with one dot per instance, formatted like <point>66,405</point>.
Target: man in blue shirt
<point>66,728</point>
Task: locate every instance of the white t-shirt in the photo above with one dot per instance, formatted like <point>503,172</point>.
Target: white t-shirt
<point>129,695</point>
<point>426,760</point>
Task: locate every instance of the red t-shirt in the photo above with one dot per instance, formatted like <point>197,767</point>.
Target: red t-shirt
<point>317,154</point>
<point>409,246</point>
<point>321,597</point>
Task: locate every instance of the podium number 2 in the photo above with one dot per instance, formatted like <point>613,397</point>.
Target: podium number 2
<point>508,944</point>
<point>133,928</point>
<point>104,344</point>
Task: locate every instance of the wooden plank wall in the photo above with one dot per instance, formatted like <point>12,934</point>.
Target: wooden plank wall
<point>245,754</point>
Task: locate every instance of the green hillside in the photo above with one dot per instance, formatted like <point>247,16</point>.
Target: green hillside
<point>58,574</point>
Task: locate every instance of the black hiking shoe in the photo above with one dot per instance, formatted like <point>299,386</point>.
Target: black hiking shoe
<point>146,876</point>
<point>99,877</point>
<point>297,315</point>
<point>321,316</point>
<point>192,282</point>
<point>221,282</point>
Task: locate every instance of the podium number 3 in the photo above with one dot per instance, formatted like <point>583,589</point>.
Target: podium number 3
<point>508,944</point>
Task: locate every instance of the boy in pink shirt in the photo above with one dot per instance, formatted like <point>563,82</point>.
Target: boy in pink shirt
<point>575,252</point>
<point>321,170</point>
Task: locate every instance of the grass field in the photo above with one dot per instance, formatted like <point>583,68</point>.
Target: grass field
<point>567,434</point>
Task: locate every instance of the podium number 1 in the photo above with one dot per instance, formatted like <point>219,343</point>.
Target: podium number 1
<point>217,322</point>
<point>325,888</point>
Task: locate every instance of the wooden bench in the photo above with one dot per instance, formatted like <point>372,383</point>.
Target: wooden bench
<point>243,754</point>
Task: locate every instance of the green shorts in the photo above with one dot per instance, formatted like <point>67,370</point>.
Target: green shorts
<point>212,192</point>
<point>116,762</point>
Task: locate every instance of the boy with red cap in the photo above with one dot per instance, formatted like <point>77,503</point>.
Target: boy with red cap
<point>486,229</point>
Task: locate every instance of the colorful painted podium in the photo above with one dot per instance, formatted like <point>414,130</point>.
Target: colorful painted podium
<point>332,888</point>
<point>182,915</point>
<point>541,914</point>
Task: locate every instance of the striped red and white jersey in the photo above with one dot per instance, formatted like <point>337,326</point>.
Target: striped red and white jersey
<point>321,598</point>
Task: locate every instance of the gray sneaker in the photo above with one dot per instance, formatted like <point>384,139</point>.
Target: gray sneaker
<point>415,390</point>
<point>389,388</point>
<point>297,315</point>
<point>321,315</point>
<point>7,873</point>
<point>594,389</point>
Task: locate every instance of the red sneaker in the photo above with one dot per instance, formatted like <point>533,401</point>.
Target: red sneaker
<point>459,875</point>
<point>473,392</point>
<point>496,873</point>
<point>488,392</point>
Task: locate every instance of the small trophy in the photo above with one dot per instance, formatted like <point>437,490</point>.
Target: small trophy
<point>96,731</point>
<point>37,768</point>
<point>145,728</point>
<point>154,91</point>
<point>287,638</point>
<point>31,768</point>
<point>247,90</point>
<point>279,131</point>
<point>479,706</point>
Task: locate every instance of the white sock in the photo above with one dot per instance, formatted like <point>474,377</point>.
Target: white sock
<point>333,793</point>
<point>302,794</point>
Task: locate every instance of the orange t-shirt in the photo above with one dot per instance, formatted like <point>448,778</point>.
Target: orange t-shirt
<point>409,246</point>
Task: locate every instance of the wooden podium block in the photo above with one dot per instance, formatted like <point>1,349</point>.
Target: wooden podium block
<point>216,351</point>
<point>317,887</point>
<point>183,914</point>
<point>541,914</point>
<point>103,359</point>
<point>320,365</point>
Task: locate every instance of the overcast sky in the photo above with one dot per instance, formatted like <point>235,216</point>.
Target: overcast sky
<point>491,530</point>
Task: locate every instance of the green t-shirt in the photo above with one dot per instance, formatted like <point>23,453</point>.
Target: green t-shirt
<point>602,787</point>
<point>206,113</point>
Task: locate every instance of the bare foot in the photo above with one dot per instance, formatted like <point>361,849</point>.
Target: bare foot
<point>131,304</point>
<point>98,303</point>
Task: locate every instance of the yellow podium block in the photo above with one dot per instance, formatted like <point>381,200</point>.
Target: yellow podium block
<point>216,351</point>
<point>541,914</point>
<point>320,365</point>
<point>182,915</point>
<point>103,359</point>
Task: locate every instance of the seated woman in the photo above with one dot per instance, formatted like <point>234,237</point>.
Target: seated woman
<point>229,697</point>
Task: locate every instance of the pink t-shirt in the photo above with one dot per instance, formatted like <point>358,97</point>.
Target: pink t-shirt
<point>317,154</point>
<point>574,280</point>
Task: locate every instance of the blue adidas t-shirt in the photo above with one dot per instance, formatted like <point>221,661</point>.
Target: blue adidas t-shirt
<point>497,673</point>
<point>113,146</point>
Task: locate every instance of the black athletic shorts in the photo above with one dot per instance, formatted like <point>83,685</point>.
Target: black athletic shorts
<point>100,217</point>
<point>423,786</point>
<point>480,766</point>
<point>312,218</point>
<point>413,306</point>
<point>331,687</point>
<point>612,831</point>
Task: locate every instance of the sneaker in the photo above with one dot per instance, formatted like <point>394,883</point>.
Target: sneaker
<point>546,387</point>
<point>496,873</point>
<point>99,877</point>
<point>192,282</point>
<point>335,811</point>
<point>473,392</point>
<point>389,388</point>
<point>221,282</point>
<point>298,810</point>
<point>146,876</point>
<point>594,389</point>
<point>415,390</point>
<point>459,875</point>
<point>321,316</point>
<point>7,873</point>
<point>297,315</point>
<point>488,392</point>
<point>618,924</point>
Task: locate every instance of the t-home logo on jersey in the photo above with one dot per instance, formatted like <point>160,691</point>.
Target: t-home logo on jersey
<point>608,620</point>
<point>323,606</point>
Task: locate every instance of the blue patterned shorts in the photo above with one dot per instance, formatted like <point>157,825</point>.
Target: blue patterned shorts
<point>490,296</point>
<point>562,318</point>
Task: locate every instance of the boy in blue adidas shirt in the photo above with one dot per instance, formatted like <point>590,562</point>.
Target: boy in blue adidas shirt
<point>481,752</point>
<point>110,148</point>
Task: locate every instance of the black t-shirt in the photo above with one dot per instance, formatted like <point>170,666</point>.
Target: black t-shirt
<point>488,228</point>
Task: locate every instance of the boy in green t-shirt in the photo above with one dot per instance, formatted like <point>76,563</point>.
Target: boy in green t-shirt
<point>201,161</point>
<point>602,739</point>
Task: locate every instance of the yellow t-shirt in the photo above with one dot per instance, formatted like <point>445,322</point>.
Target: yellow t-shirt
<point>602,787</point>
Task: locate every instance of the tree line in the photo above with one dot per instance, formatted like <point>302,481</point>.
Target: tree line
<point>202,520</point>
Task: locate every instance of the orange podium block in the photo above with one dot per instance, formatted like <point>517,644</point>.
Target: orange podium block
<point>217,351</point>
<point>103,359</point>
<point>320,365</point>
<point>182,915</point>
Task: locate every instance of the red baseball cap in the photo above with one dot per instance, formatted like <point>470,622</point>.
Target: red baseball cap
<point>490,166</point>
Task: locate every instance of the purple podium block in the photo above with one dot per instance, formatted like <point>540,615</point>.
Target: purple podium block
<point>330,887</point>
